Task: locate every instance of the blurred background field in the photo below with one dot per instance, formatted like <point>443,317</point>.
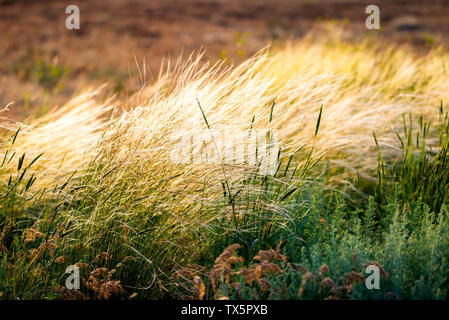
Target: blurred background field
<point>42,64</point>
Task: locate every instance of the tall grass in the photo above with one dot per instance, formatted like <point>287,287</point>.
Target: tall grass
<point>94,184</point>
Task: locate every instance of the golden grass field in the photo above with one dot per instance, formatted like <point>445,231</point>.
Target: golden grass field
<point>363,88</point>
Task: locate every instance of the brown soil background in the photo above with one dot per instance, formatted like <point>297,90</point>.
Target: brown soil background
<point>115,34</point>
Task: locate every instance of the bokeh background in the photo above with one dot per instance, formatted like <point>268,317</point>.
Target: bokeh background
<point>122,43</point>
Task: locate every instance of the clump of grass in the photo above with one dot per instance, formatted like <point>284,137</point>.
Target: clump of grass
<point>422,174</point>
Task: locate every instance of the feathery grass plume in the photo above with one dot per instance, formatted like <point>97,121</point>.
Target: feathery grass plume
<point>223,267</point>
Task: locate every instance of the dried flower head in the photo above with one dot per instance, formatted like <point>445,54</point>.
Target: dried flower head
<point>60,259</point>
<point>270,256</point>
<point>264,285</point>
<point>67,294</point>
<point>354,277</point>
<point>102,256</point>
<point>264,268</point>
<point>332,298</point>
<point>248,275</point>
<point>307,277</point>
<point>110,289</point>
<point>341,291</point>
<point>199,289</point>
<point>391,295</point>
<point>377,264</point>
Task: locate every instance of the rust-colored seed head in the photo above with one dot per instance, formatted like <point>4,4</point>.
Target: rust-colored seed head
<point>264,268</point>
<point>32,234</point>
<point>341,290</point>
<point>82,265</point>
<point>99,272</point>
<point>248,274</point>
<point>223,265</point>
<point>67,294</point>
<point>324,269</point>
<point>60,259</point>
<point>332,298</point>
<point>199,289</point>
<point>377,264</point>
<point>110,289</point>
<point>264,285</point>
<point>101,256</point>
<point>270,256</point>
<point>299,267</point>
<point>327,283</point>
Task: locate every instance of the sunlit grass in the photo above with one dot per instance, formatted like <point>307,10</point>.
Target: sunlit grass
<point>104,179</point>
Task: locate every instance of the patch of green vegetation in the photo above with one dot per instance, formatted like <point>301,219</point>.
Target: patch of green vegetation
<point>423,172</point>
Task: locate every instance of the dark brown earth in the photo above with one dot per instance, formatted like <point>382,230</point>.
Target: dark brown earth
<point>114,34</point>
